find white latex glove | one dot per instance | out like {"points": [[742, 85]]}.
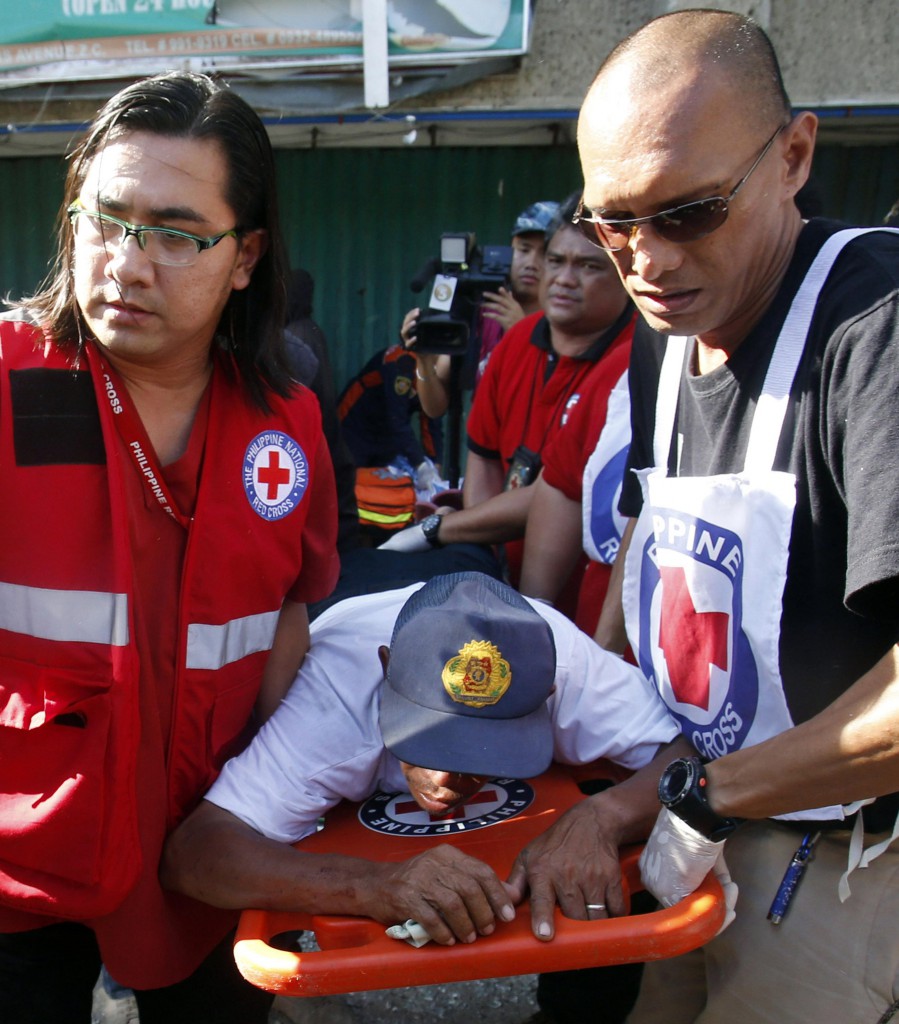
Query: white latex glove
{"points": [[730, 889], [677, 858], [408, 540]]}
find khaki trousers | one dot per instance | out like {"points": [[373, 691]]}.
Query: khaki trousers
{"points": [[826, 963]]}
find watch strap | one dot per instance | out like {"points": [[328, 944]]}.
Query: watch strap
{"points": [[690, 801], [430, 527]]}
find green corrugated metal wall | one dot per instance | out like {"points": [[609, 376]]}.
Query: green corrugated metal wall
{"points": [[859, 184], [363, 221], [30, 195]]}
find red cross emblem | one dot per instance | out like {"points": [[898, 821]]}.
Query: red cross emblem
{"points": [[274, 475], [483, 796], [692, 641]]}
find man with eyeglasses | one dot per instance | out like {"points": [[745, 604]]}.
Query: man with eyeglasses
{"points": [[760, 589], [169, 510]]}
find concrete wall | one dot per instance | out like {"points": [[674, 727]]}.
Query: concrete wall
{"points": [[838, 56], [834, 53]]}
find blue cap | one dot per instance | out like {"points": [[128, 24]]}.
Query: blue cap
{"points": [[537, 217], [471, 667]]}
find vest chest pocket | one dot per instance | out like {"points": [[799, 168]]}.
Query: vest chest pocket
{"points": [[58, 788], [231, 723]]}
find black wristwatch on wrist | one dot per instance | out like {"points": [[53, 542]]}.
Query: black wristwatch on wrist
{"points": [[430, 527], [683, 789]]}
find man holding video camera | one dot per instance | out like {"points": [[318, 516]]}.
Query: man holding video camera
{"points": [[498, 310], [548, 362]]}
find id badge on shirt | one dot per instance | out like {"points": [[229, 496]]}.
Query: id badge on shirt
{"points": [[523, 468]]}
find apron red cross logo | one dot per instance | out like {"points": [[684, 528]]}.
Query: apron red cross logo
{"points": [[691, 641]]}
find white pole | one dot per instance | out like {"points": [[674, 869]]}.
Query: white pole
{"points": [[374, 53]]}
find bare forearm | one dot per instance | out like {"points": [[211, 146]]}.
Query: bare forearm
{"points": [[483, 479], [610, 632], [553, 541], [432, 371], [285, 658], [432, 384], [215, 857], [629, 809], [850, 751], [501, 518], [225, 864]]}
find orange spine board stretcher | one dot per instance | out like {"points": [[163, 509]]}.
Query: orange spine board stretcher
{"points": [[355, 954]]}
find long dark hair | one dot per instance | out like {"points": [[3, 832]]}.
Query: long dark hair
{"points": [[186, 105]]}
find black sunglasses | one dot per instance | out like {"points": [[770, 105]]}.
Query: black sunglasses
{"points": [[685, 223]]}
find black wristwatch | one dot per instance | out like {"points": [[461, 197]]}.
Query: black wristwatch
{"points": [[683, 790], [430, 527]]}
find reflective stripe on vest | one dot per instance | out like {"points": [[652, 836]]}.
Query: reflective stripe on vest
{"points": [[365, 515], [83, 616], [213, 647]]}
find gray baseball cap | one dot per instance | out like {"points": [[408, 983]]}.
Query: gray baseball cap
{"points": [[471, 667], [537, 217]]}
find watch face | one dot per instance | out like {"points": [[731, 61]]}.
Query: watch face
{"points": [[674, 781], [430, 525], [682, 790]]}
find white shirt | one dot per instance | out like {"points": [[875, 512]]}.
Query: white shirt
{"points": [[323, 743]]}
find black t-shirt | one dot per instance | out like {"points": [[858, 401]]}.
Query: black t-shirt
{"points": [[841, 440]]}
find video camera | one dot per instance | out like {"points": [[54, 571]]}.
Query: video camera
{"points": [[461, 276]]}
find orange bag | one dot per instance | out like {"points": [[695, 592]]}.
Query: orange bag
{"points": [[385, 501]]}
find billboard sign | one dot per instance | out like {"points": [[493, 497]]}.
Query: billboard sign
{"points": [[47, 40]]}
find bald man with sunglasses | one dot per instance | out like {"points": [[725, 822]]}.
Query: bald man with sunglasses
{"points": [[762, 571]]}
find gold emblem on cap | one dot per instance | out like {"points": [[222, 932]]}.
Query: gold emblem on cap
{"points": [[478, 675]]}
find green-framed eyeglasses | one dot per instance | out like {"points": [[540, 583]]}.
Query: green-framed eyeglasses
{"points": [[168, 246]]}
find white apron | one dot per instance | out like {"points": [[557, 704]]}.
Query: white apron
{"points": [[602, 522], [706, 568]]}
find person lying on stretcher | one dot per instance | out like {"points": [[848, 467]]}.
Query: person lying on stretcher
{"points": [[477, 682]]}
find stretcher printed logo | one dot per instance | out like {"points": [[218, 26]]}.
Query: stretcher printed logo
{"points": [[692, 643], [399, 815], [275, 474]]}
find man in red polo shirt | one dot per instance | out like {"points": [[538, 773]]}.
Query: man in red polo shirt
{"points": [[545, 365]]}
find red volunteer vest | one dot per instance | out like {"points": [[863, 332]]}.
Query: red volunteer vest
{"points": [[69, 671]]}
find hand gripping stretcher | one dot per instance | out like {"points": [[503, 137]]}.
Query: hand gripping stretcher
{"points": [[356, 955]]}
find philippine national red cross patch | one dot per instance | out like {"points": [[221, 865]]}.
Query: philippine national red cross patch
{"points": [[275, 474]]}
